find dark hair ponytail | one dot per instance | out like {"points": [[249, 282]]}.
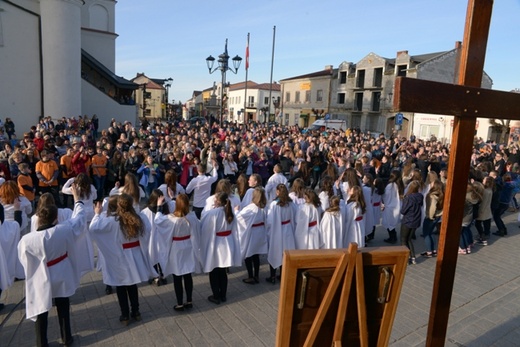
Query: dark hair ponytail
{"points": [[223, 200]]}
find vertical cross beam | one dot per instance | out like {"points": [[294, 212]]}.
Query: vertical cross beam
{"points": [[471, 65]]}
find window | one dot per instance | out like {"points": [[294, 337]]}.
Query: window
{"points": [[251, 101], [358, 104], [307, 96], [319, 95], [401, 70], [342, 77], [341, 98], [266, 100], [360, 82], [376, 101], [356, 121], [297, 96], [378, 77], [372, 121], [287, 97]]}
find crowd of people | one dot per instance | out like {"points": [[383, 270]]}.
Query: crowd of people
{"points": [[179, 198]]}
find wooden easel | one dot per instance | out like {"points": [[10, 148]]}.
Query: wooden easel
{"points": [[313, 311], [466, 101]]}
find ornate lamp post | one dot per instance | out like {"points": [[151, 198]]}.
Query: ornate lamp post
{"points": [[167, 85], [223, 61]]}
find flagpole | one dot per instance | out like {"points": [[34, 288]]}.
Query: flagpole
{"points": [[271, 81], [245, 87]]}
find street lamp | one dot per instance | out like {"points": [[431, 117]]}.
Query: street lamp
{"points": [[167, 84], [223, 66]]}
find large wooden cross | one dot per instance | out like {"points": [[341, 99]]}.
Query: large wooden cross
{"points": [[466, 101]]}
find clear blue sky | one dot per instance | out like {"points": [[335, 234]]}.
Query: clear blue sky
{"points": [[172, 38]]}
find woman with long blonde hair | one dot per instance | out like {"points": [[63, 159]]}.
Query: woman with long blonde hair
{"points": [[132, 188]]}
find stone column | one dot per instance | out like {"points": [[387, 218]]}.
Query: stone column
{"points": [[61, 51]]}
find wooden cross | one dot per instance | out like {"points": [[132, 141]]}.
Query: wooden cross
{"points": [[465, 101]]}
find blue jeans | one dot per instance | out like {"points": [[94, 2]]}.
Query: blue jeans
{"points": [[466, 237], [99, 183], [149, 188], [428, 226]]}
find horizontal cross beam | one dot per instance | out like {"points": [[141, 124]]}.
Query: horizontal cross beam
{"points": [[414, 95]]}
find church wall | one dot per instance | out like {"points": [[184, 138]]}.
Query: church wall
{"points": [[96, 102], [101, 46], [20, 81]]}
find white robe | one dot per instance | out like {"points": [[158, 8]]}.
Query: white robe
{"points": [[9, 238], [281, 222], [122, 264], [331, 229], [298, 201], [63, 215], [119, 191], [392, 212], [354, 225], [84, 247], [307, 232], [325, 200], [272, 183], [60, 280], [5, 280], [25, 207], [210, 203], [369, 214], [248, 197], [218, 251], [152, 244], [376, 208], [171, 200], [252, 231], [179, 235]]}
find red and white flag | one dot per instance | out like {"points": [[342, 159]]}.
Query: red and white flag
{"points": [[247, 53]]}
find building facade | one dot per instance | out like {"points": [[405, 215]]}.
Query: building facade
{"points": [[58, 60]]}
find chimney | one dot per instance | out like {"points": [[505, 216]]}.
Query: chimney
{"points": [[328, 67], [401, 52], [458, 44]]}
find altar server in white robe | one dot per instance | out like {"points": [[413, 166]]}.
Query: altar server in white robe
{"points": [[376, 202], [9, 192], [255, 180], [277, 178], [10, 233], [252, 234], [368, 191], [223, 186], [331, 225], [281, 222], [307, 232], [45, 200], [354, 218], [51, 270], [9, 238], [394, 190], [154, 243], [171, 188], [179, 232], [219, 246], [88, 194], [327, 192], [132, 188], [120, 239]]}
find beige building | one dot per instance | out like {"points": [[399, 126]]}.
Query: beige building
{"points": [[307, 97], [152, 96], [362, 94]]}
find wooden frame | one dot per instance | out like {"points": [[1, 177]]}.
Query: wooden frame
{"points": [[312, 308]]}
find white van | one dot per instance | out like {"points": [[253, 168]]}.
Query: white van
{"points": [[322, 124]]}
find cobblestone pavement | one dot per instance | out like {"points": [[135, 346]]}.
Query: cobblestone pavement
{"points": [[484, 312]]}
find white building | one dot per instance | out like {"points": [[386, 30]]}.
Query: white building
{"points": [[58, 59]]}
